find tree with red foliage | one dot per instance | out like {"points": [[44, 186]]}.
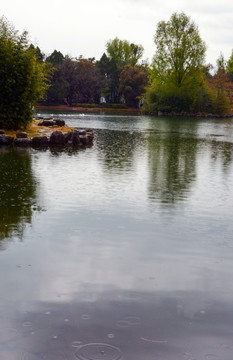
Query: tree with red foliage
{"points": [[132, 84]]}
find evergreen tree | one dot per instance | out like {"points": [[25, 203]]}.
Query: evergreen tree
{"points": [[56, 58], [110, 78], [57, 91]]}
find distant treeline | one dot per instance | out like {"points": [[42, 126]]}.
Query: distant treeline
{"points": [[118, 77], [177, 81]]}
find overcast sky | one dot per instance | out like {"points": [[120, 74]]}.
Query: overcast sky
{"points": [[83, 27]]}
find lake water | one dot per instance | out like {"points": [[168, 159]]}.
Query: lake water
{"points": [[123, 250]]}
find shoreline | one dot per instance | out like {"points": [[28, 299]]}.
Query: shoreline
{"points": [[66, 108], [129, 111], [46, 133]]}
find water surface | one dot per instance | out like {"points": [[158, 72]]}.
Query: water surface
{"points": [[122, 250]]}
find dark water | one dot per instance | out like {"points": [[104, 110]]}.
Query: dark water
{"points": [[123, 250]]}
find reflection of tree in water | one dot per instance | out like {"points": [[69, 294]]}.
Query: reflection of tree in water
{"points": [[118, 148], [17, 192], [222, 150], [172, 160]]}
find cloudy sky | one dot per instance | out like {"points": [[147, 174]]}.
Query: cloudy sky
{"points": [[83, 27]]}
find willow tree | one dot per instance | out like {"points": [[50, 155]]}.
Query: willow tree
{"points": [[177, 68], [23, 79]]}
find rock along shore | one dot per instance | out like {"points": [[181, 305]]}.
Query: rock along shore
{"points": [[74, 138]]}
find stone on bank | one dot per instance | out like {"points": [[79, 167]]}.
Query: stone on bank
{"points": [[72, 138]]}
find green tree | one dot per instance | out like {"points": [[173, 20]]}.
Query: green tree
{"points": [[110, 78], [229, 67], [123, 53], [221, 87], [56, 93], [120, 53], [39, 55], [221, 63], [177, 68], [56, 58], [57, 90], [180, 50], [23, 79]]}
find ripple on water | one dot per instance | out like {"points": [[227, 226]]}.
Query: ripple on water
{"points": [[27, 356], [133, 320], [211, 357], [189, 356], [57, 356], [123, 323], [98, 351], [154, 341], [128, 321], [76, 344], [27, 323], [10, 331], [8, 334], [85, 317]]}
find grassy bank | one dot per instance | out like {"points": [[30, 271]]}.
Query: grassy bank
{"points": [[34, 130]]}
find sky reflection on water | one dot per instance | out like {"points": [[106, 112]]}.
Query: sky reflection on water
{"points": [[128, 244]]}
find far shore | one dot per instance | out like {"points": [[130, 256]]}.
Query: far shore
{"points": [[86, 109], [127, 111]]}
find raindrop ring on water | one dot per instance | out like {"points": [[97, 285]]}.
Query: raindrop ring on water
{"points": [[85, 317], [123, 323], [27, 323], [98, 351], [76, 344], [133, 320]]}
